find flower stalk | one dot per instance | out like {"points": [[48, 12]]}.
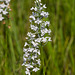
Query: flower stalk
{"points": [[37, 38]]}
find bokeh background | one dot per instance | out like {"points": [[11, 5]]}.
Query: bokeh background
{"points": [[59, 55]]}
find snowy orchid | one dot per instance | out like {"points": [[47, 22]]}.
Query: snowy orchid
{"points": [[4, 8], [36, 38]]}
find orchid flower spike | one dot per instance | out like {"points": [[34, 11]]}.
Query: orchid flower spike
{"points": [[39, 36], [4, 8]]}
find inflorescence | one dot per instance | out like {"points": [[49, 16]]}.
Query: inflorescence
{"points": [[4, 8], [39, 36]]}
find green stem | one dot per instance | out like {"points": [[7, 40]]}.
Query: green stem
{"points": [[42, 62], [31, 73]]}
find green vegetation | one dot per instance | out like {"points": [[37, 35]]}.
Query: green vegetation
{"points": [[58, 55]]}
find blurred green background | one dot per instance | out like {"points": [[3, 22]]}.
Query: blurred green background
{"points": [[58, 55]]}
